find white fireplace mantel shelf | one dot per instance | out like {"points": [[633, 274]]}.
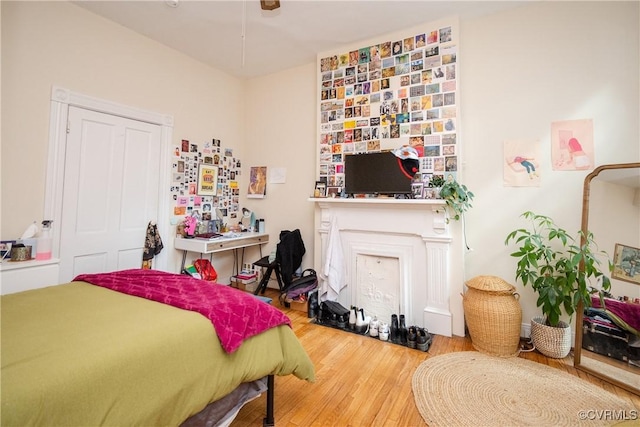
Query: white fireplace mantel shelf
{"points": [[378, 201], [413, 231]]}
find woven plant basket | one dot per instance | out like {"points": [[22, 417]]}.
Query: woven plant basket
{"points": [[493, 315], [554, 342]]}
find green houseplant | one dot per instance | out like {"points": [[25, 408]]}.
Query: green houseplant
{"points": [[457, 198], [559, 269]]}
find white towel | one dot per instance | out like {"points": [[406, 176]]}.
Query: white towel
{"points": [[333, 272]]}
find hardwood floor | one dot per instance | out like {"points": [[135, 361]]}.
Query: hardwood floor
{"points": [[361, 381]]}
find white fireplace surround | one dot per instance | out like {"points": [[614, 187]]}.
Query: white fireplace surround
{"points": [[427, 249]]}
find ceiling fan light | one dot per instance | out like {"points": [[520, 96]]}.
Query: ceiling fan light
{"points": [[269, 4]]}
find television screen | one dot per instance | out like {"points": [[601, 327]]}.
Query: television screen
{"points": [[376, 173]]}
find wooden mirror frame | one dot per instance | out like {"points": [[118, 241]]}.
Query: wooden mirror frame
{"points": [[577, 350]]}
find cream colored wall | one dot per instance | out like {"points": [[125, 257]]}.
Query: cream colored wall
{"points": [[58, 43], [281, 133], [519, 71], [522, 70]]}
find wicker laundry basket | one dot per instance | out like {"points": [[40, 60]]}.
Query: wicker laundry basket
{"points": [[493, 315]]}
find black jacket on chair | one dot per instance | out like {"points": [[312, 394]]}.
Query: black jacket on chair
{"points": [[289, 254]]}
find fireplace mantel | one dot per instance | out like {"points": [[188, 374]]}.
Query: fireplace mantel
{"points": [[413, 231]]}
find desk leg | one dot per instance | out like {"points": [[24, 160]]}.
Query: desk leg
{"points": [[184, 259]]}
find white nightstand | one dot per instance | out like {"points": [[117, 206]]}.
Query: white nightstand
{"points": [[24, 275]]}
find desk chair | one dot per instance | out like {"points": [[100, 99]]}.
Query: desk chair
{"points": [[289, 252], [271, 267]]}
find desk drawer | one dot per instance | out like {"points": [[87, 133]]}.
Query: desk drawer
{"points": [[233, 244]]}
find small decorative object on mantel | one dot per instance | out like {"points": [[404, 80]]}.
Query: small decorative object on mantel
{"points": [[320, 190]]}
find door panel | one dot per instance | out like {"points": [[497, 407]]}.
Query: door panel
{"points": [[110, 192]]}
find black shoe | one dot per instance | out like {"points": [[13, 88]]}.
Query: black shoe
{"points": [[412, 337], [403, 331], [394, 331], [312, 305], [342, 321], [424, 339], [334, 319]]}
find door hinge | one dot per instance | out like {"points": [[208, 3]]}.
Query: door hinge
{"points": [[68, 127]]}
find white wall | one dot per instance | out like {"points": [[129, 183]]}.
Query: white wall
{"points": [[519, 71], [522, 70], [281, 133], [58, 43]]}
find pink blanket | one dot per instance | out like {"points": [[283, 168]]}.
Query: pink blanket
{"points": [[235, 315], [625, 315]]}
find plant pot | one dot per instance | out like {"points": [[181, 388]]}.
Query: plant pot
{"points": [[554, 342]]}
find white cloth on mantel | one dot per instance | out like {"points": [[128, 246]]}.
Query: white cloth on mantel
{"points": [[333, 271]]}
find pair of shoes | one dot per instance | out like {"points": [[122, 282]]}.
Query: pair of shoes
{"points": [[423, 340], [373, 327], [412, 336], [398, 334], [383, 332]]}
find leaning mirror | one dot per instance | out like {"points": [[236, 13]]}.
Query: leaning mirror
{"points": [[607, 339]]}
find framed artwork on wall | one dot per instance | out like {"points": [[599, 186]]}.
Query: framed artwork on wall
{"points": [[207, 183], [626, 264], [257, 182]]}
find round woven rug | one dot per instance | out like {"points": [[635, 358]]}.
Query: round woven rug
{"points": [[474, 389]]}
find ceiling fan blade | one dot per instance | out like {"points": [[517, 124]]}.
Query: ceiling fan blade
{"points": [[269, 4]]}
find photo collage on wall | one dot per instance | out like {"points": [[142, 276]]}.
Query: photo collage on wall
{"points": [[195, 169], [389, 95]]}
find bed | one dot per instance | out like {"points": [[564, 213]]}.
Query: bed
{"points": [[93, 354]]}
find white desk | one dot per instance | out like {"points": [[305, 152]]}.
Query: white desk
{"points": [[219, 244]]}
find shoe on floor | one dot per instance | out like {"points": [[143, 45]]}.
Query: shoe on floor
{"points": [[412, 337], [423, 340]]}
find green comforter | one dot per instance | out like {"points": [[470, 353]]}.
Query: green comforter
{"points": [[78, 354]]}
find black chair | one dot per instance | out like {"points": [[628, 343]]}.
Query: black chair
{"points": [[289, 252]]}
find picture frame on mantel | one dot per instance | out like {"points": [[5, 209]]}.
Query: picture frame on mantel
{"points": [[320, 190]]}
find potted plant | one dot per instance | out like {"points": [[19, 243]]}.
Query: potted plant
{"points": [[561, 271], [457, 198], [436, 181]]}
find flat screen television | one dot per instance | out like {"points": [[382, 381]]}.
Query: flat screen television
{"points": [[377, 173]]}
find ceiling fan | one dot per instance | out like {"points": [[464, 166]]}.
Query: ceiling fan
{"points": [[269, 4]]}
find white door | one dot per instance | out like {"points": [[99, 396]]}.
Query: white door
{"points": [[110, 192]]}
